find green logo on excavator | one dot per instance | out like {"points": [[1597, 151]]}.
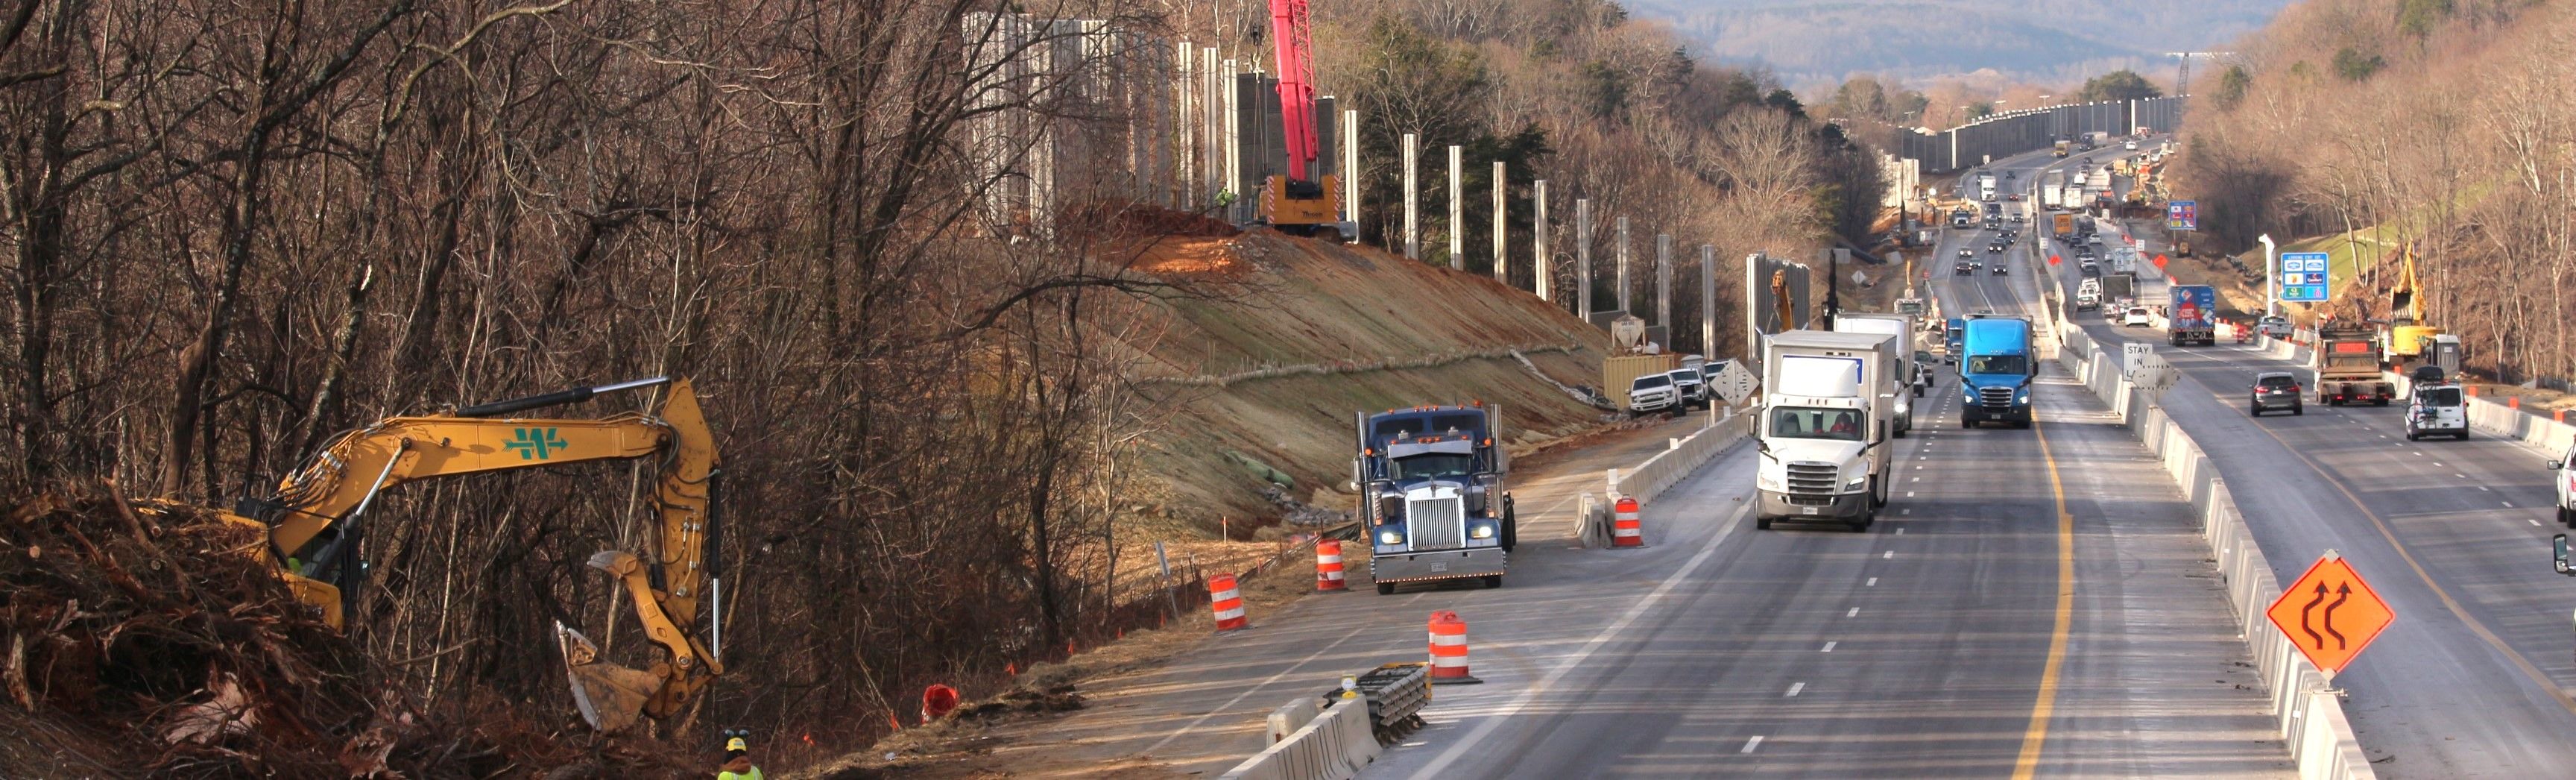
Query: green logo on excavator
{"points": [[535, 443]]}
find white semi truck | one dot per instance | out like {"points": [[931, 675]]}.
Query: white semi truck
{"points": [[1986, 187], [1827, 412], [1908, 376]]}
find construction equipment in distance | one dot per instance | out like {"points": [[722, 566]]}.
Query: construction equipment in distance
{"points": [[2411, 338], [315, 523], [1298, 202]]}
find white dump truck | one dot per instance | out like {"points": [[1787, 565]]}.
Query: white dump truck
{"points": [[1827, 413], [1908, 376]]}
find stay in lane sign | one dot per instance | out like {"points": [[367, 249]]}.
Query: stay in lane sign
{"points": [[2330, 613]]}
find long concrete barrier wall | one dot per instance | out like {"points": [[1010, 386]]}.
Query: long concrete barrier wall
{"points": [[2311, 720], [1333, 746], [1666, 469]]}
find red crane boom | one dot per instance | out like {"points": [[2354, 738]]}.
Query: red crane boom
{"points": [[1299, 202]]}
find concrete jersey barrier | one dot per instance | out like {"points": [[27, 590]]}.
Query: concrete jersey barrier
{"points": [[1333, 746], [2312, 722]]}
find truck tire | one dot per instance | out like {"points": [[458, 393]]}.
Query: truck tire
{"points": [[1762, 523], [1966, 422], [2567, 517], [1386, 589], [2299, 411], [1493, 580], [2021, 425], [2464, 434], [2411, 436], [1511, 525], [1900, 432]]}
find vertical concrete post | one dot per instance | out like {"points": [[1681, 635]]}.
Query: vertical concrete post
{"points": [[1664, 285], [1583, 258], [1501, 273], [1209, 123], [1621, 253], [1708, 300], [1753, 307], [1412, 203], [1351, 172], [1232, 149], [1185, 108], [1457, 212], [1541, 268]]}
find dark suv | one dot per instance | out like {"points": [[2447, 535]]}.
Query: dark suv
{"points": [[2275, 390]]}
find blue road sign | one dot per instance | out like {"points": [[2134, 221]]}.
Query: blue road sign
{"points": [[2182, 215], [2304, 277]]}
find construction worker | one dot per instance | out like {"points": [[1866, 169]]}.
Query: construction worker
{"points": [[737, 764]]}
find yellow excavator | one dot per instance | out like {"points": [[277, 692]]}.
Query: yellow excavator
{"points": [[2411, 338], [315, 522]]}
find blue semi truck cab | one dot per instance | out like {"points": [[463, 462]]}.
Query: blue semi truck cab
{"points": [[1995, 369], [1953, 331], [1432, 498]]}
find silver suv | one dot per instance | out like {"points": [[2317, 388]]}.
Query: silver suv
{"points": [[2276, 390]]}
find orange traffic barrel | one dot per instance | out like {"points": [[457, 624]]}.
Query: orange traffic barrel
{"points": [[1328, 565], [1625, 529], [1227, 602], [1449, 649]]}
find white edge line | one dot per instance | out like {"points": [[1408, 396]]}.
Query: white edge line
{"points": [[1490, 723]]}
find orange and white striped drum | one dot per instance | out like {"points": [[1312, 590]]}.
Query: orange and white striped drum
{"points": [[1227, 602], [1449, 649], [1328, 566], [1625, 529]]}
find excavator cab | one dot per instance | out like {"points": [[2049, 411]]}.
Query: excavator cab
{"points": [[315, 523]]}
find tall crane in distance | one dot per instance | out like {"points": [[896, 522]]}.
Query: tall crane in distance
{"points": [[1301, 200], [2182, 80]]}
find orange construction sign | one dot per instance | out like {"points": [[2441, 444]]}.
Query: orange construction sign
{"points": [[2330, 613]]}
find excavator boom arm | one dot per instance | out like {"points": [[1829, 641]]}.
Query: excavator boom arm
{"points": [[326, 498]]}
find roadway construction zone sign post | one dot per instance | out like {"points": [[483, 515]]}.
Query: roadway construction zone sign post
{"points": [[2330, 614]]}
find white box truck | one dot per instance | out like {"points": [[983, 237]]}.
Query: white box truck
{"points": [[1986, 187], [1826, 406], [1908, 376]]}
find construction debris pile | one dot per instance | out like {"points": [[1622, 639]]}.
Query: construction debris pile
{"points": [[144, 642]]}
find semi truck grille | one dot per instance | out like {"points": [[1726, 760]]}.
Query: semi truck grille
{"points": [[1812, 483], [1995, 397], [1437, 524]]}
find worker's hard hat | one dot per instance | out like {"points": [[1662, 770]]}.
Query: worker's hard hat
{"points": [[736, 744]]}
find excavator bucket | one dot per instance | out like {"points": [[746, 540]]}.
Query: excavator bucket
{"points": [[610, 696]]}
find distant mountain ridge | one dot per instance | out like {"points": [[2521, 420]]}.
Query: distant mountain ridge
{"points": [[2034, 40]]}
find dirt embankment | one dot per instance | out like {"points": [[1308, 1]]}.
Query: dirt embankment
{"points": [[1257, 389]]}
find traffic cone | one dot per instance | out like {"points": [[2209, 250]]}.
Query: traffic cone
{"points": [[1228, 604], [1449, 649], [1625, 529], [1328, 566]]}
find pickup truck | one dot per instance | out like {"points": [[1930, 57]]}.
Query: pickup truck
{"points": [[1653, 393]]}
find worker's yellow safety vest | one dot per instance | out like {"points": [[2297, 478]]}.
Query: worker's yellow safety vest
{"points": [[754, 774]]}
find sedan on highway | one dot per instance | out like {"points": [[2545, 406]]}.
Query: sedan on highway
{"points": [[2137, 317], [2000, 268], [1964, 266], [2275, 390], [1995, 247]]}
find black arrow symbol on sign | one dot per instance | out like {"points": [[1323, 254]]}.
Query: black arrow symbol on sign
{"points": [[2319, 641], [2344, 593]]}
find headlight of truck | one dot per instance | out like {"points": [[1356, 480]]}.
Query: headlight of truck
{"points": [[1483, 530], [1767, 480], [2024, 395], [1857, 481], [1391, 536]]}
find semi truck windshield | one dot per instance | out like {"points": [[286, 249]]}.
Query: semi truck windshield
{"points": [[1808, 422], [1432, 464], [1999, 364]]}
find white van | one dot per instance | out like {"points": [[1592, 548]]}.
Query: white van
{"points": [[2436, 410]]}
